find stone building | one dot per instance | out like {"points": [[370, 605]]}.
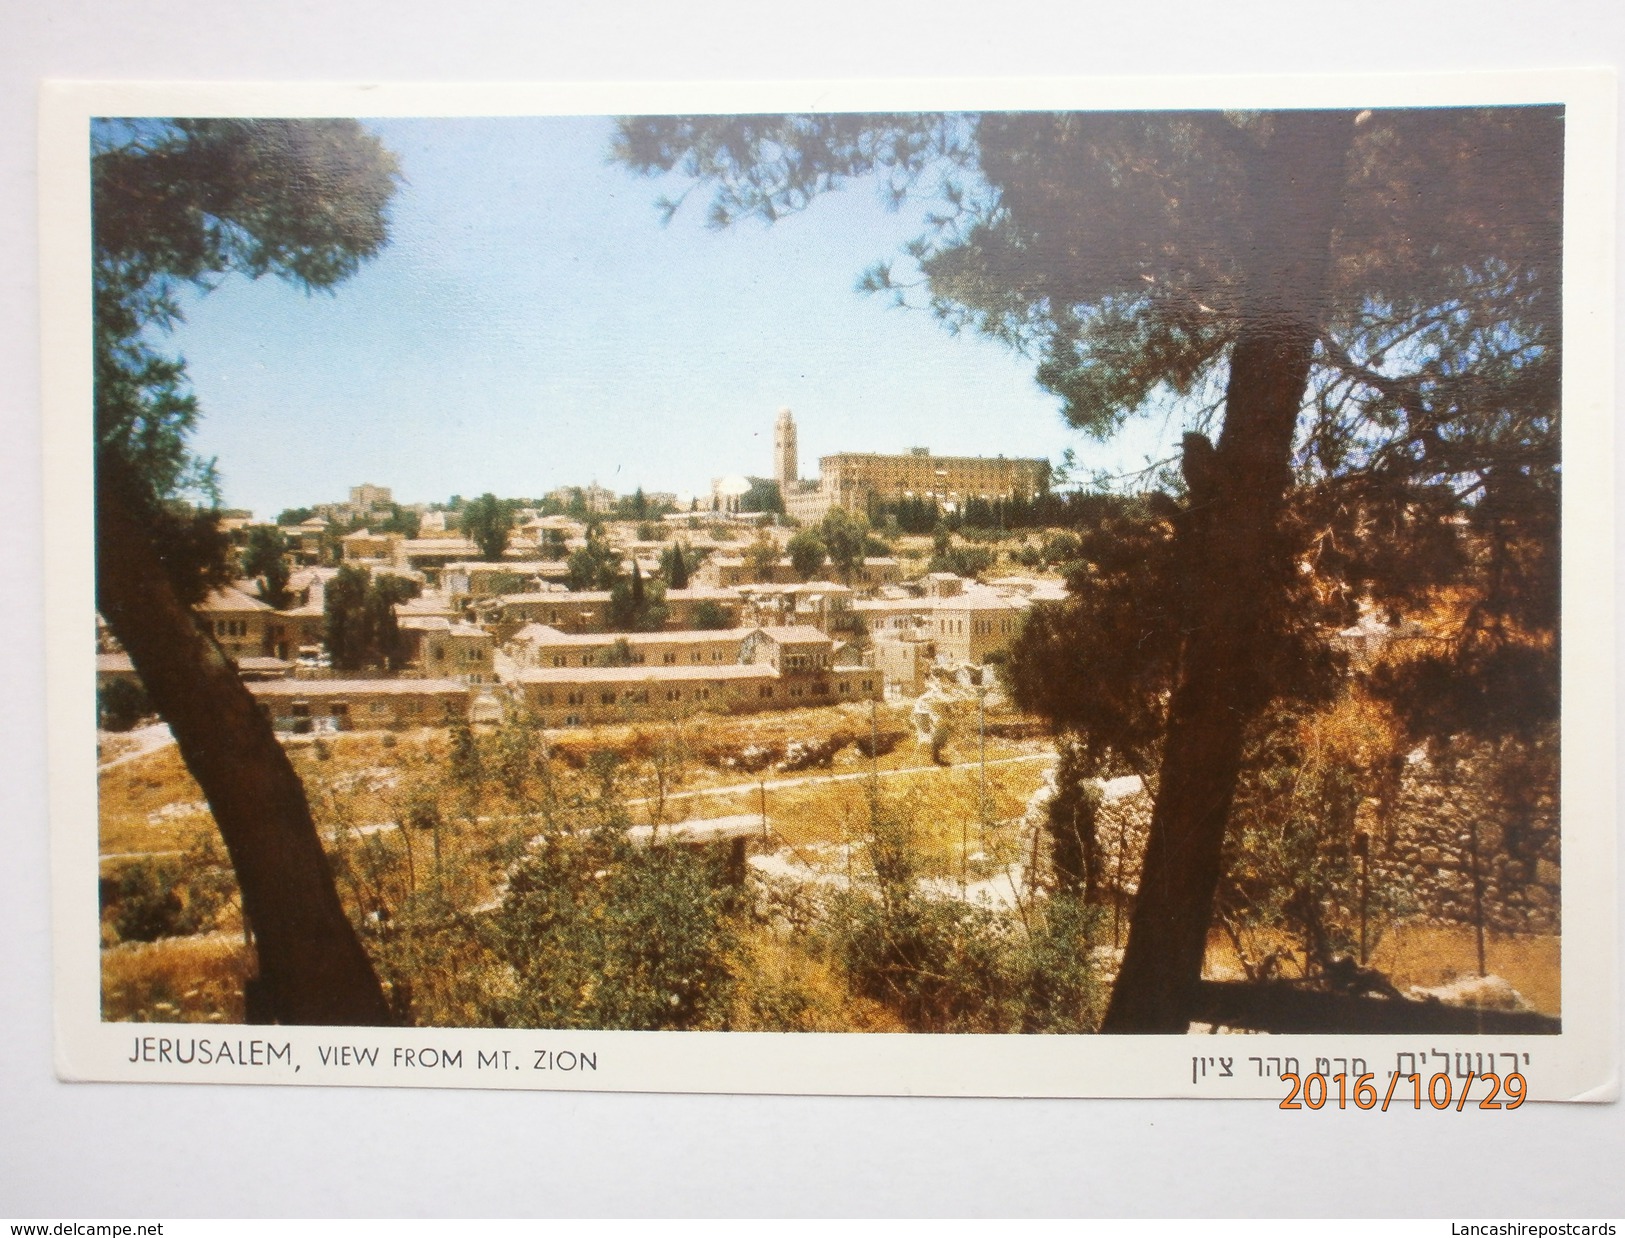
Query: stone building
{"points": [[302, 706], [479, 579], [445, 649], [243, 626], [949, 626], [367, 499], [821, 604], [587, 610], [364, 546], [736, 571], [789, 669], [854, 480], [537, 646]]}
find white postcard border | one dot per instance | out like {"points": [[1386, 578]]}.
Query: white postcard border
{"points": [[1579, 1064]]}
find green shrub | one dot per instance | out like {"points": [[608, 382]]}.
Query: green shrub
{"points": [[969, 561], [150, 899], [120, 704], [942, 964], [602, 933]]}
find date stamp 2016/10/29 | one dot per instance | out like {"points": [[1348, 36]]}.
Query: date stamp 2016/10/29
{"points": [[1318, 1091]]}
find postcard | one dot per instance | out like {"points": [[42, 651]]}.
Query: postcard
{"points": [[943, 588]]}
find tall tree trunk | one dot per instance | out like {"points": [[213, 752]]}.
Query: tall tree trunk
{"points": [[1238, 566], [312, 968]]}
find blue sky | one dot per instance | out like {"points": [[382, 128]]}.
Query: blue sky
{"points": [[533, 324]]}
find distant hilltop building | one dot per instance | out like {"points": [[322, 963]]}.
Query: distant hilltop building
{"points": [[595, 499], [366, 499]]}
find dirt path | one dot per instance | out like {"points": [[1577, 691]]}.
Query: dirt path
{"points": [[146, 739], [782, 784], [738, 788]]}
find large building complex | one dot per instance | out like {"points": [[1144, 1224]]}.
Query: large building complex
{"points": [[854, 479], [857, 480]]}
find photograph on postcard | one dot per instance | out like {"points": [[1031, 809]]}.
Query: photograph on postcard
{"points": [[1038, 573]]}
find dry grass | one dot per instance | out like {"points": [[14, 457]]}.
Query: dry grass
{"points": [[175, 980], [1430, 955], [781, 988], [943, 806], [150, 804], [110, 744]]}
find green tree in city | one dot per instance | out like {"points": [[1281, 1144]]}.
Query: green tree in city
{"points": [[636, 605], [178, 205], [403, 520], [674, 566], [762, 558], [806, 550], [266, 557], [845, 536], [710, 617], [596, 565], [488, 521], [360, 629]]}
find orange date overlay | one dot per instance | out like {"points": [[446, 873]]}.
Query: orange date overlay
{"points": [[1318, 1091]]}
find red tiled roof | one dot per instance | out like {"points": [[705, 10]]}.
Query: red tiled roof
{"points": [[230, 598]]}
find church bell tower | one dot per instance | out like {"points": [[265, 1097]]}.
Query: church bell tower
{"points": [[784, 449]]}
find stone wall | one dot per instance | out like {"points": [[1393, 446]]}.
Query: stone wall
{"points": [[1423, 846]]}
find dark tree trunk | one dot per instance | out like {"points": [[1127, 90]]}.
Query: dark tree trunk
{"points": [[312, 968], [1238, 567]]}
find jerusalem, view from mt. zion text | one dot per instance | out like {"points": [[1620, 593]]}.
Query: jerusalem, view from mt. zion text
{"points": [[1130, 625]]}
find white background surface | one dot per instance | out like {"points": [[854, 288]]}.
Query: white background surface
{"points": [[150, 1151]]}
